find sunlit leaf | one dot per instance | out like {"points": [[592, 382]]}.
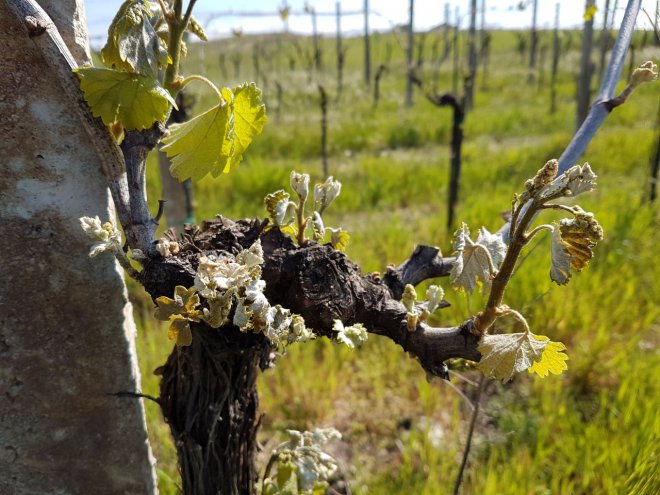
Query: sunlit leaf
{"points": [[215, 141], [590, 12], [133, 44], [195, 146], [339, 239], [504, 355], [133, 100], [287, 479], [553, 360], [249, 114]]}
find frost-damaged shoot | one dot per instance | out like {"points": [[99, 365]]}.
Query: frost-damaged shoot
{"points": [[489, 262], [291, 217]]}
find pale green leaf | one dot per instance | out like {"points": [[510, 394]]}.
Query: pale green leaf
{"points": [[133, 44], [215, 141], [133, 100], [339, 239], [195, 146], [287, 479], [473, 259], [249, 118], [503, 355], [553, 360]]}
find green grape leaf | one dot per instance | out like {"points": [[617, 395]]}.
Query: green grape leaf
{"points": [[133, 45], [249, 118], [195, 146], [133, 100], [287, 479], [503, 355], [560, 259], [553, 360], [472, 258], [214, 142]]}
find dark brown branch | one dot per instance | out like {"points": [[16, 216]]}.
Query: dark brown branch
{"points": [[425, 262], [322, 285]]}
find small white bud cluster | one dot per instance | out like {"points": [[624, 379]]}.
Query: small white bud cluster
{"points": [[167, 248]]}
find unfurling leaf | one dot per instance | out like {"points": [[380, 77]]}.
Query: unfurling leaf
{"points": [[133, 100], [219, 308], [282, 211], [300, 184], [503, 355], [474, 259], [572, 242], [318, 227], [339, 238], [543, 177], [215, 141], [352, 336], [553, 360], [646, 72], [179, 311], [133, 44], [326, 193], [434, 297], [576, 180], [108, 237]]}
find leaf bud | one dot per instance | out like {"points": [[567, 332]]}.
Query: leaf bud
{"points": [[325, 193], [646, 72], [300, 184], [543, 177]]}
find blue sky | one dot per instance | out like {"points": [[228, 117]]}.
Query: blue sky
{"points": [[499, 14]]}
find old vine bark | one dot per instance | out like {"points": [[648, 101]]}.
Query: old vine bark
{"points": [[208, 393]]}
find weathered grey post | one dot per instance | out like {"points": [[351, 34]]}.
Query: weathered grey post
{"points": [[67, 335]]}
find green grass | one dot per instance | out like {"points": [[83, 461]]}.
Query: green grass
{"points": [[593, 429]]}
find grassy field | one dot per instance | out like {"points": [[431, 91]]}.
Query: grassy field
{"points": [[595, 429]]}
